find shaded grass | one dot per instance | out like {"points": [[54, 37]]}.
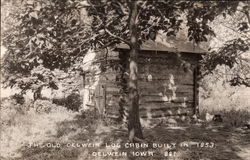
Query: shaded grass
{"points": [[229, 143], [231, 118], [69, 129]]}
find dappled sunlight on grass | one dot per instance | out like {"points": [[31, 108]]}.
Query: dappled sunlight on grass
{"points": [[65, 135], [28, 127], [224, 148], [227, 143], [244, 152]]}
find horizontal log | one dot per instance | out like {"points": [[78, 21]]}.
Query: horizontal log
{"points": [[160, 120], [182, 100], [116, 94], [152, 106], [159, 99], [154, 86], [158, 114], [112, 89], [166, 110], [172, 107], [155, 117], [180, 81], [158, 96], [163, 70], [165, 95], [161, 85], [167, 76], [110, 83]]}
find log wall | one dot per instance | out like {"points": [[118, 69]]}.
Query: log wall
{"points": [[166, 84]]}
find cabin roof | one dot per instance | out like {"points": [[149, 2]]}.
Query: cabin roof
{"points": [[170, 44]]}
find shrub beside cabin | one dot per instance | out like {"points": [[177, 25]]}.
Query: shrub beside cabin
{"points": [[167, 81]]}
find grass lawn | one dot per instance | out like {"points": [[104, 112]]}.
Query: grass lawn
{"points": [[64, 139]]}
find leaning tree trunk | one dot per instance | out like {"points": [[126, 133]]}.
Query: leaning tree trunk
{"points": [[134, 125]]}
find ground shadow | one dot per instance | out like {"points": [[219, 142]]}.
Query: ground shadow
{"points": [[228, 143]]}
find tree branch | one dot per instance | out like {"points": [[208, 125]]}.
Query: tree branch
{"points": [[235, 30], [122, 8], [246, 13], [116, 37], [140, 11], [248, 17], [88, 3]]}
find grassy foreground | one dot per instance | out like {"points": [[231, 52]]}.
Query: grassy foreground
{"points": [[59, 134]]}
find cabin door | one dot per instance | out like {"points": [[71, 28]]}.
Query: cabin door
{"points": [[94, 96], [100, 98]]}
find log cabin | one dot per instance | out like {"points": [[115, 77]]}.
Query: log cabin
{"points": [[168, 81]]}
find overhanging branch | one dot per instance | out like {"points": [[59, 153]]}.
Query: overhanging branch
{"points": [[246, 13], [116, 37], [248, 17], [140, 11]]}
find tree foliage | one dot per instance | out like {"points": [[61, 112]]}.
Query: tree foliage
{"points": [[230, 47], [52, 34], [45, 35], [111, 19]]}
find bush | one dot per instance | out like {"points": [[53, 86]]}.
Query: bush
{"points": [[73, 102], [219, 97], [10, 110], [59, 101], [92, 118], [43, 106], [18, 98], [231, 118], [236, 118]]}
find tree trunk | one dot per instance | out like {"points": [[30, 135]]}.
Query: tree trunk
{"points": [[134, 125], [38, 93]]}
